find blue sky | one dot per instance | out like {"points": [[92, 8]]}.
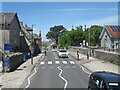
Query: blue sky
{"points": [[47, 14]]}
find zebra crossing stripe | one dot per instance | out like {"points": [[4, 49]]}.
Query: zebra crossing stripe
{"points": [[49, 62], [72, 62], [64, 62], [42, 63], [57, 62]]}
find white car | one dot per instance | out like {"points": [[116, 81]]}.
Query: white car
{"points": [[62, 53], [54, 50]]}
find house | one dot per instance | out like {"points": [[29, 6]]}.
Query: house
{"points": [[110, 37], [28, 40], [10, 30], [25, 40], [37, 44]]}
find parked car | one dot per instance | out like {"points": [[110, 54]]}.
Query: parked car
{"points": [[62, 53], [104, 81]]}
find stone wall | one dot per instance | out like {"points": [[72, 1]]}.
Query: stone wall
{"points": [[81, 50], [15, 60], [108, 56], [99, 54]]}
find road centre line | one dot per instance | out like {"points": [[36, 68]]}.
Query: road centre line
{"points": [[66, 83], [29, 78]]}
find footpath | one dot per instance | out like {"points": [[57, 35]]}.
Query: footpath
{"points": [[93, 64], [16, 78]]}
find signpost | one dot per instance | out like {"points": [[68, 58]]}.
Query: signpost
{"points": [[8, 46], [6, 64]]}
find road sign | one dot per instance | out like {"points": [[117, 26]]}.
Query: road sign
{"points": [[8, 46]]}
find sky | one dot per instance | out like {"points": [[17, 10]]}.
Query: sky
{"points": [[48, 14]]}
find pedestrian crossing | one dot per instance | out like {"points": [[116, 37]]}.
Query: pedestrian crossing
{"points": [[57, 62]]}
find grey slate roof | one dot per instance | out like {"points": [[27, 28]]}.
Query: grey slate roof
{"points": [[8, 17]]}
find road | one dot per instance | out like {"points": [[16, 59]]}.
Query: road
{"points": [[54, 72]]}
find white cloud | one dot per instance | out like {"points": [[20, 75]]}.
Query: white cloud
{"points": [[102, 21], [111, 20], [86, 9]]}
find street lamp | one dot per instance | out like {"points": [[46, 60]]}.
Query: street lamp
{"points": [[32, 46]]}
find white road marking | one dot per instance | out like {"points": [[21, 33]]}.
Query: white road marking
{"points": [[84, 70], [74, 67], [66, 83], [43, 67], [57, 62], [67, 67], [64, 62], [30, 77], [55, 55], [72, 62], [49, 62], [51, 67], [42, 63]]}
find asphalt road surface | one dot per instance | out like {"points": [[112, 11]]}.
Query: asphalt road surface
{"points": [[54, 72]]}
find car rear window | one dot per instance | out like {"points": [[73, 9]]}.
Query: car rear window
{"points": [[63, 51]]}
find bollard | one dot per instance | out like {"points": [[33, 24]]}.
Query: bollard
{"points": [[87, 56], [78, 56]]}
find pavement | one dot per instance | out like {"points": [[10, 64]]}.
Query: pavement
{"points": [[93, 64], [16, 78]]}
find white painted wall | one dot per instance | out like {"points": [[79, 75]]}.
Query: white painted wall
{"points": [[108, 41]]}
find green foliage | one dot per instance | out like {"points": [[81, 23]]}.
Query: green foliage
{"points": [[73, 37], [95, 32], [55, 32]]}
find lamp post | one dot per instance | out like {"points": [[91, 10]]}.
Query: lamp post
{"points": [[86, 36], [32, 46]]}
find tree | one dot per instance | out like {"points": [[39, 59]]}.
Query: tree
{"points": [[73, 37], [94, 32], [55, 32]]}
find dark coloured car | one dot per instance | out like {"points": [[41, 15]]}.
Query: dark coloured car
{"points": [[104, 81]]}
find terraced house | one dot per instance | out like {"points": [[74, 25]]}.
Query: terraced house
{"points": [[10, 30]]}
